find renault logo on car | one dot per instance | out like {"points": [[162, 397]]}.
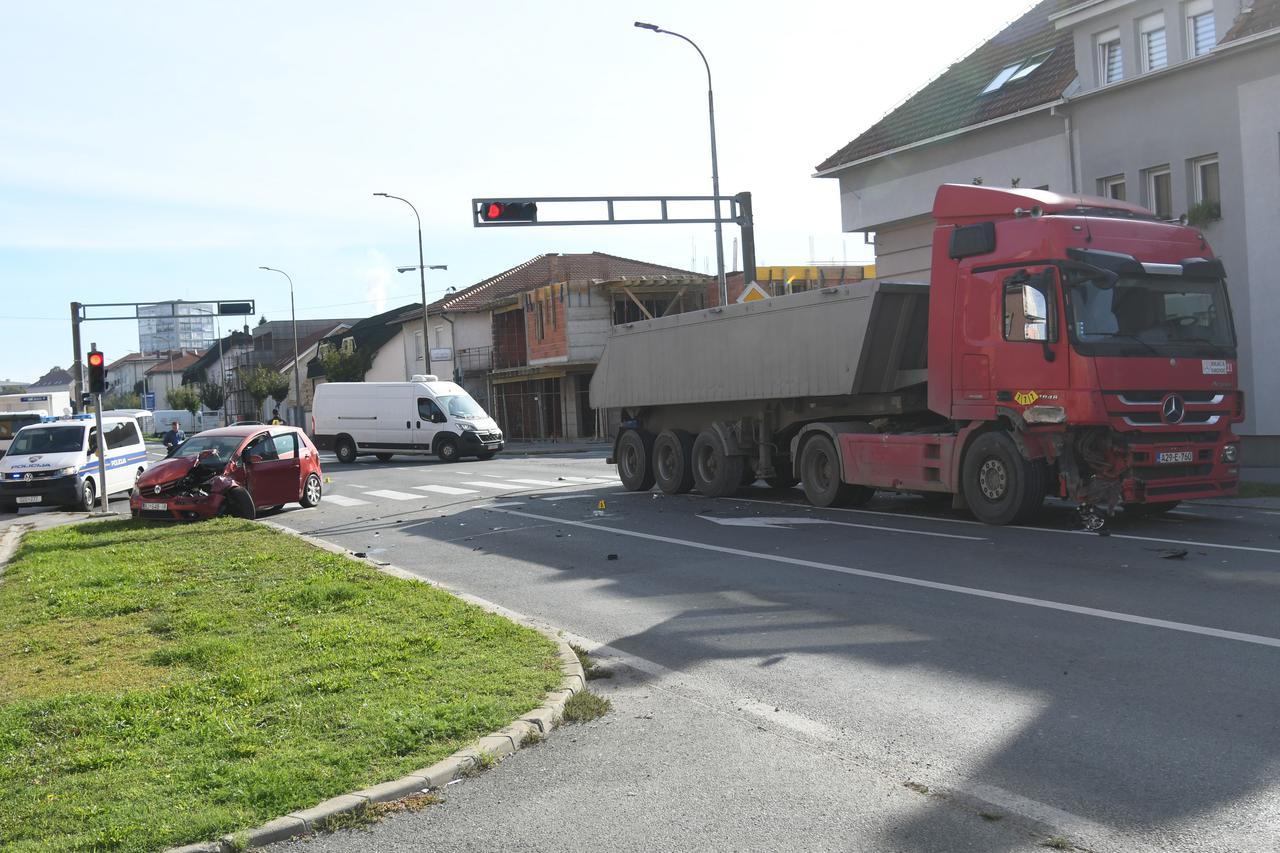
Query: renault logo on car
{"points": [[1173, 409]]}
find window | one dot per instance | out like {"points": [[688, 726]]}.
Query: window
{"points": [[439, 336], [1110, 58], [1112, 187], [429, 411], [123, 435], [348, 344], [1200, 29], [1029, 309], [286, 445], [1204, 180], [1155, 53], [1017, 71], [542, 323], [417, 346], [1160, 191], [263, 447]]}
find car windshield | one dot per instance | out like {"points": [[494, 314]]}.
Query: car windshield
{"points": [[1150, 315], [461, 406], [223, 445], [48, 439]]}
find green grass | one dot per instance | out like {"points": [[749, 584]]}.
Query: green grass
{"points": [[167, 684], [585, 706], [1260, 490]]}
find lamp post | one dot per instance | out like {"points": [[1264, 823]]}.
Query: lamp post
{"points": [[297, 381], [715, 167], [422, 277]]}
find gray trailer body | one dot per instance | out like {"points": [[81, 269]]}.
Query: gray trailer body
{"points": [[866, 340]]}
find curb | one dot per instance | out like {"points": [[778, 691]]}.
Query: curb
{"points": [[498, 745], [10, 541]]}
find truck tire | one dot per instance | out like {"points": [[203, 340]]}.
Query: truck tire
{"points": [[999, 485], [716, 474], [447, 449], [821, 475], [673, 461], [784, 475], [635, 460], [345, 450]]}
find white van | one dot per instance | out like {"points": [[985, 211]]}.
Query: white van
{"points": [[421, 416], [56, 463]]}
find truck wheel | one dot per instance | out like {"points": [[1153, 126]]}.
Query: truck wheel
{"points": [[635, 460], [821, 475], [673, 461], [345, 450], [784, 475], [716, 474], [447, 449], [1000, 486]]}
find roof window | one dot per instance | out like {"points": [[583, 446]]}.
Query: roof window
{"points": [[1015, 72]]}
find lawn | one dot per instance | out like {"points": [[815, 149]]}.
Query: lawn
{"points": [[167, 684]]}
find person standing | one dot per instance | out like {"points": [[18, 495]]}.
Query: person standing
{"points": [[174, 437], [275, 418]]}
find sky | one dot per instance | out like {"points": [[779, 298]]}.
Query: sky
{"points": [[159, 150]]}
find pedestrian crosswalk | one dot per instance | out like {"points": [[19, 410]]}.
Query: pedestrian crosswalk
{"points": [[491, 485], [391, 494], [343, 500], [446, 490]]}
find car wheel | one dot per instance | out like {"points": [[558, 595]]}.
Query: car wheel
{"points": [[311, 491], [1000, 486], [486, 455], [345, 450], [383, 457], [238, 503], [87, 495], [134, 488], [635, 460], [821, 473], [716, 474], [447, 449], [673, 461]]}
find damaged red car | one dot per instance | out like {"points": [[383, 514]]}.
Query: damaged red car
{"points": [[234, 471]]}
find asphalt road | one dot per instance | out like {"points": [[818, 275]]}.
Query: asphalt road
{"points": [[783, 673]]}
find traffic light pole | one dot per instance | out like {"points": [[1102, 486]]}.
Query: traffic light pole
{"points": [[102, 450], [77, 372]]}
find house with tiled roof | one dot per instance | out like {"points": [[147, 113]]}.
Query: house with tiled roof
{"points": [[524, 342], [1172, 104]]}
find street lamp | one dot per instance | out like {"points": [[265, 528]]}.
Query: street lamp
{"points": [[297, 381], [422, 275], [715, 167]]}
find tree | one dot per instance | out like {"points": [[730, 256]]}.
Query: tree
{"points": [[345, 365], [213, 396], [184, 397], [263, 382], [121, 401]]}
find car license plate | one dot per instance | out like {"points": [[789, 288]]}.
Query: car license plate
{"points": [[154, 504], [1174, 456], [28, 499]]}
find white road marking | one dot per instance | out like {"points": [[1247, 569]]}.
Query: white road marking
{"points": [[500, 486], [784, 522], [1238, 636], [447, 490], [926, 518], [394, 495], [543, 483], [589, 479], [343, 500]]}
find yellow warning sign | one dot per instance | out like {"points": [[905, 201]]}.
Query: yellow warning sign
{"points": [[753, 293]]}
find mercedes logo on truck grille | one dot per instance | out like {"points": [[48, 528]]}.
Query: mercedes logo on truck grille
{"points": [[1173, 409]]}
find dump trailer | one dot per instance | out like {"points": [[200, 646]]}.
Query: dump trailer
{"points": [[1071, 346]]}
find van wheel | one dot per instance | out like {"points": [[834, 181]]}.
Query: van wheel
{"points": [[673, 461], [635, 460], [311, 491], [820, 471], [1000, 486], [447, 449], [345, 450], [382, 457], [716, 474], [238, 503], [87, 495]]}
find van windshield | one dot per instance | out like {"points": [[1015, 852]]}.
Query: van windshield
{"points": [[56, 439], [461, 406]]}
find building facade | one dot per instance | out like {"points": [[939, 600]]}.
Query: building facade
{"points": [[1172, 105]]}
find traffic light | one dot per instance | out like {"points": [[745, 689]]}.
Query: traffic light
{"points": [[509, 211], [97, 372]]}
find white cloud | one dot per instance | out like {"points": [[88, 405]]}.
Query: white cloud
{"points": [[377, 280]]}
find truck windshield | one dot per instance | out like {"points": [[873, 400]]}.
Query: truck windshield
{"points": [[54, 439], [1150, 315], [10, 423], [461, 406]]}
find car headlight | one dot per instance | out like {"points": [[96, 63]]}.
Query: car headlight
{"points": [[469, 427], [68, 471], [1231, 453]]}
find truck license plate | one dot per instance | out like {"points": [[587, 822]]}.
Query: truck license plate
{"points": [[154, 505], [28, 499], [1174, 456]]}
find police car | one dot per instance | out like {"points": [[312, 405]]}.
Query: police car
{"points": [[56, 463]]}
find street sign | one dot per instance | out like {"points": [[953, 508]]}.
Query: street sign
{"points": [[235, 308], [149, 401]]}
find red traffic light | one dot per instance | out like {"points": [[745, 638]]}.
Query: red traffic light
{"points": [[509, 211], [95, 359]]}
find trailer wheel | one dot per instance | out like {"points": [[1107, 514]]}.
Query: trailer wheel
{"points": [[1000, 486], [635, 460], [673, 461], [821, 476], [716, 474]]}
